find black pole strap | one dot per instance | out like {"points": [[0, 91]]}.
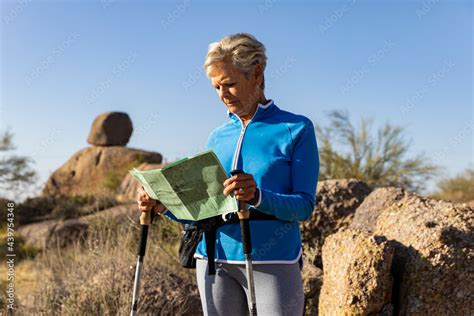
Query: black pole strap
{"points": [[210, 235]]}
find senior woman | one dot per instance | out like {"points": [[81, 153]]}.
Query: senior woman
{"points": [[278, 152]]}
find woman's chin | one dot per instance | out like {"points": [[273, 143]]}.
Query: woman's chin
{"points": [[234, 108]]}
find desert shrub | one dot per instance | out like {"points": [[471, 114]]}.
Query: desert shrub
{"points": [[379, 159], [459, 188]]}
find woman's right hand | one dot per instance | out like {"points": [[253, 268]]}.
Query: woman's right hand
{"points": [[146, 203]]}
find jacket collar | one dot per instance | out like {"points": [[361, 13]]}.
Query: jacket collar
{"points": [[262, 111]]}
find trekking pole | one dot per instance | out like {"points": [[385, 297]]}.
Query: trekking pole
{"points": [[146, 219], [244, 215]]}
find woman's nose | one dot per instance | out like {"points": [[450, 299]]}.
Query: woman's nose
{"points": [[224, 92]]}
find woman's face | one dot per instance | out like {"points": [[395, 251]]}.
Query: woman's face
{"points": [[239, 93]]}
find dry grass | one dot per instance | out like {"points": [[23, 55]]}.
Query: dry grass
{"points": [[95, 276]]}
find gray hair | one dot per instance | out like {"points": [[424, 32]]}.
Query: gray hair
{"points": [[242, 49]]}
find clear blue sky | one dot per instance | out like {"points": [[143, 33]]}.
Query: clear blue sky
{"points": [[65, 62]]}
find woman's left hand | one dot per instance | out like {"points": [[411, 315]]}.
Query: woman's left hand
{"points": [[242, 185]]}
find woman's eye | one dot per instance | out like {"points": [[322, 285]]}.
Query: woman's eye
{"points": [[228, 85]]}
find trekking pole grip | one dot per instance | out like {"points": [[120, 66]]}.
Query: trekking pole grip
{"points": [[245, 231], [146, 217]]}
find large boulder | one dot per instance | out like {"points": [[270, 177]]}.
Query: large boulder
{"points": [[433, 264], [365, 218], [336, 202], [96, 170], [357, 278], [128, 188], [111, 129]]}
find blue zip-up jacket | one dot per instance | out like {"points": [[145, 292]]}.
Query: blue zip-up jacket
{"points": [[279, 149]]}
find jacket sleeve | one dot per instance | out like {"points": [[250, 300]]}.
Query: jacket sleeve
{"points": [[298, 205], [170, 216]]}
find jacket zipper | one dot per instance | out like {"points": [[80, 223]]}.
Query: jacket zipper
{"points": [[241, 137]]}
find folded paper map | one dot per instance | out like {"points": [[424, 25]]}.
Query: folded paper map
{"points": [[190, 188]]}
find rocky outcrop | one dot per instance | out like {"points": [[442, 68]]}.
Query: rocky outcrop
{"points": [[434, 257], [42, 208], [469, 203], [336, 202], [357, 278], [53, 233], [96, 170], [312, 282], [111, 129], [100, 169], [128, 188]]}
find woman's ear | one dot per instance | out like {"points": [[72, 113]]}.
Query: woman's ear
{"points": [[258, 74]]}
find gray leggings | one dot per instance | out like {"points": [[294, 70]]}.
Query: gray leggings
{"points": [[278, 289]]}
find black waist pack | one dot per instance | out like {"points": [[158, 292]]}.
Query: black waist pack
{"points": [[191, 236]]}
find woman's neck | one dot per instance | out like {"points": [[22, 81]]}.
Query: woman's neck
{"points": [[246, 119]]}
